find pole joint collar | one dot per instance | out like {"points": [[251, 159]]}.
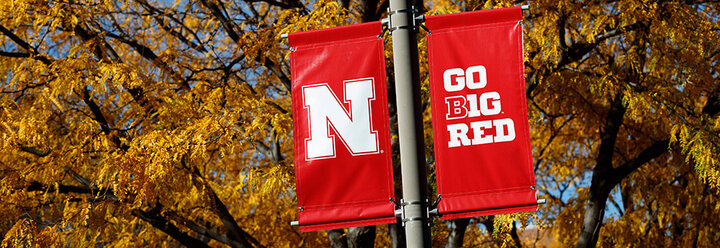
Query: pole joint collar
{"points": [[415, 20]]}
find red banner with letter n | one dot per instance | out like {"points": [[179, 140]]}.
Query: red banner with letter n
{"points": [[343, 168], [480, 125]]}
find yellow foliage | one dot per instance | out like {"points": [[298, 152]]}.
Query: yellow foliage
{"points": [[162, 123]]}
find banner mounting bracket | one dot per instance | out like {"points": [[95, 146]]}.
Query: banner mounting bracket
{"points": [[418, 20]]}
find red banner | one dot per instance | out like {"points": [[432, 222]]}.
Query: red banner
{"points": [[343, 168], [483, 157]]}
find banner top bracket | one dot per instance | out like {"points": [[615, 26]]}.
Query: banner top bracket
{"points": [[417, 21]]}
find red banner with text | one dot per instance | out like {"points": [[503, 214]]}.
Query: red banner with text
{"points": [[483, 157], [343, 168]]}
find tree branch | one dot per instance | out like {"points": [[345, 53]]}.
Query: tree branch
{"points": [[95, 109], [199, 229], [61, 188], [166, 26], [34, 151], [650, 153], [275, 69], [368, 10], [155, 218], [712, 107], [100, 118], [104, 52], [273, 153], [228, 25], [107, 52], [148, 54], [578, 50], [14, 54], [283, 4], [239, 237], [24, 45]]}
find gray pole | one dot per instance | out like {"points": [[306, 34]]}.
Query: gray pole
{"points": [[410, 125]]}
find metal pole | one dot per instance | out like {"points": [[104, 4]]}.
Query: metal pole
{"points": [[410, 125]]}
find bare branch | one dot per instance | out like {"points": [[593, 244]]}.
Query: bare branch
{"points": [[166, 26], [275, 69], [238, 236], [155, 218], [653, 151], [95, 109], [61, 188], [14, 54], [578, 50], [198, 228], [34, 151], [24, 45], [148, 54], [107, 52], [228, 25], [283, 4]]}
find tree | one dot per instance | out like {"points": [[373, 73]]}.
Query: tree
{"points": [[153, 123], [625, 96], [146, 123]]}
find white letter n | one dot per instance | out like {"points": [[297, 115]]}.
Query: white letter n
{"points": [[354, 127]]}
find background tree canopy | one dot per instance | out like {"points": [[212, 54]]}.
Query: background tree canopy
{"points": [[168, 123]]}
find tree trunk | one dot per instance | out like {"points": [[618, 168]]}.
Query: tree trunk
{"points": [[515, 236], [344, 3], [337, 238], [361, 237], [594, 214], [489, 223], [603, 178], [457, 232], [397, 234]]}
